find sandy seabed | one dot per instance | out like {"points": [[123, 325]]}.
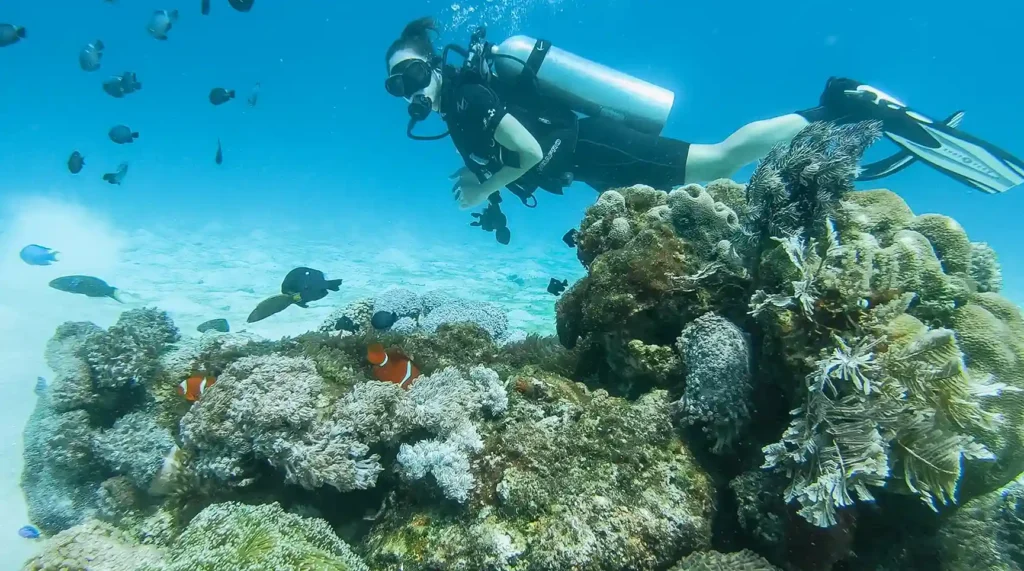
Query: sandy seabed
{"points": [[209, 273]]}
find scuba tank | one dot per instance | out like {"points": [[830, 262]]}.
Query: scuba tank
{"points": [[585, 86]]}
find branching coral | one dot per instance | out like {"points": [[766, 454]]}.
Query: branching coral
{"points": [[267, 407], [447, 404], [128, 352], [135, 447], [552, 494]]}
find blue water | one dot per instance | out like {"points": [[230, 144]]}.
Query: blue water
{"points": [[326, 145], [322, 163]]}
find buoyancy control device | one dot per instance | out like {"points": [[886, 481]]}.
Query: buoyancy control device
{"points": [[584, 86]]}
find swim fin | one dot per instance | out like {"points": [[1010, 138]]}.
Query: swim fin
{"points": [[966, 158], [902, 159]]}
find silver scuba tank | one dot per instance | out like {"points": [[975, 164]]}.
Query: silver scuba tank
{"points": [[587, 87]]}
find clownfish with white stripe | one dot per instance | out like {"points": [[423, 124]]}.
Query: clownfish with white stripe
{"points": [[392, 366], [193, 387]]}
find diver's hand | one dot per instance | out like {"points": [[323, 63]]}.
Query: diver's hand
{"points": [[468, 191]]}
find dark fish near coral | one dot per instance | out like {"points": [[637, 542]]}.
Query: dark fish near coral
{"points": [[11, 34], [214, 325], [254, 95], [306, 284], [345, 323], [117, 177], [29, 532], [392, 366], [161, 22], [270, 306], [87, 286], [75, 162], [219, 157], [36, 255], [383, 320], [556, 287], [193, 387], [120, 85], [41, 385], [90, 56], [206, 7], [570, 238], [219, 95], [241, 5], [122, 134], [514, 278]]}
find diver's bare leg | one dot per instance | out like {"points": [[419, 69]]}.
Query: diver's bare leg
{"points": [[748, 144]]}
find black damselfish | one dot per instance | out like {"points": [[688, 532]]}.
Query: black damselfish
{"points": [[556, 287], [306, 284]]}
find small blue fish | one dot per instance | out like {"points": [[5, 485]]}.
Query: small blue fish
{"points": [[36, 255], [40, 385], [29, 532]]}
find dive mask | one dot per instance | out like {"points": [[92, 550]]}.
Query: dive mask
{"points": [[408, 77]]}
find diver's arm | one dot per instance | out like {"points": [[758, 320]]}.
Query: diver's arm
{"points": [[511, 135]]}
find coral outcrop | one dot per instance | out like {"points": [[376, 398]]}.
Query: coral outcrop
{"points": [[743, 366], [553, 495], [987, 533], [97, 395], [255, 538]]}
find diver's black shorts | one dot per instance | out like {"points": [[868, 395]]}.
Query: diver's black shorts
{"points": [[610, 155]]}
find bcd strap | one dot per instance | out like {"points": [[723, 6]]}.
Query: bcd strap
{"points": [[529, 75]]}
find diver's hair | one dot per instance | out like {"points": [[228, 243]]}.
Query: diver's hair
{"points": [[416, 37]]}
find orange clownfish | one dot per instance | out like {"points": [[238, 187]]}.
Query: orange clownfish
{"points": [[193, 387], [391, 366]]}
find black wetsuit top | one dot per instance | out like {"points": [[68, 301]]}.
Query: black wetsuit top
{"points": [[597, 151]]}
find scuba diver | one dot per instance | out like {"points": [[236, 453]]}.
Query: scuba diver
{"points": [[526, 115]]}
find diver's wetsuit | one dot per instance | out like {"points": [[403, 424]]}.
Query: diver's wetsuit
{"points": [[597, 151]]}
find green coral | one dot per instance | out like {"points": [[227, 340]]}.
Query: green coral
{"points": [[243, 537], [880, 213], [990, 330], [555, 495], [948, 238]]}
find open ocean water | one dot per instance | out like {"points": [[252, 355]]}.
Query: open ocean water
{"points": [[320, 173]]}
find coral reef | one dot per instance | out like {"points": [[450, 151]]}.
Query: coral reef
{"points": [[715, 561], [400, 301], [718, 387], [135, 447], [553, 495], [254, 538], [742, 367], [129, 351], [425, 313], [266, 408], [987, 533], [93, 545], [984, 268]]}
